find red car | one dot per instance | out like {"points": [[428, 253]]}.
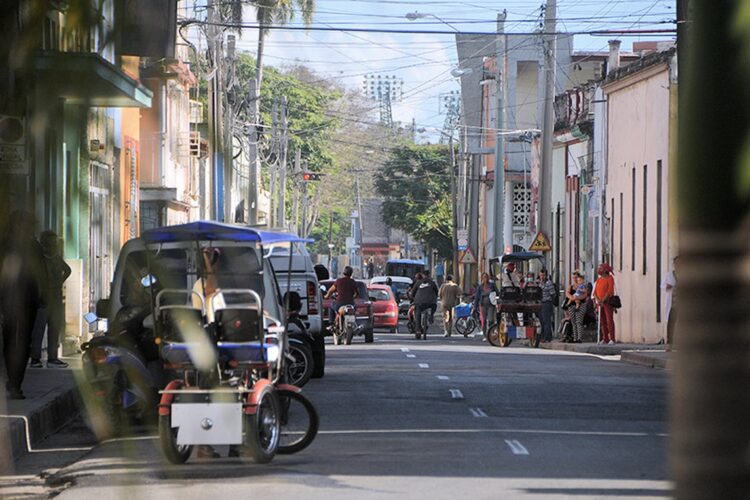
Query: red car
{"points": [[362, 304], [384, 307]]}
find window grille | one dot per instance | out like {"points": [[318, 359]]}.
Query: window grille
{"points": [[521, 205]]}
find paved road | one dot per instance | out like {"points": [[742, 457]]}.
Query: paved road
{"points": [[442, 418]]}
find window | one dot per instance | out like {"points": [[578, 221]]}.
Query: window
{"points": [[621, 226]]}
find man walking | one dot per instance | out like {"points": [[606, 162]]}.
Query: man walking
{"points": [[449, 294], [549, 296]]}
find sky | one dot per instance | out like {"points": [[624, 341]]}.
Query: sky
{"points": [[424, 61]]}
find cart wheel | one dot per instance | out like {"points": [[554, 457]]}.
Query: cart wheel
{"points": [[493, 336], [261, 439], [176, 454], [498, 334], [299, 422]]}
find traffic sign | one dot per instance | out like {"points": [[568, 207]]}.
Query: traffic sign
{"points": [[540, 243], [468, 257]]}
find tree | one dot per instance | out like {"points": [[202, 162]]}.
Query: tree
{"points": [[415, 186]]}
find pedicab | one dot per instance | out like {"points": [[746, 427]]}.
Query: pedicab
{"points": [[220, 328], [518, 306]]}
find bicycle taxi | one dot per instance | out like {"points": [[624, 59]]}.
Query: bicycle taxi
{"points": [[220, 327], [518, 308]]}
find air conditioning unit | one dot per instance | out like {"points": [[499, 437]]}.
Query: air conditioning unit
{"points": [[12, 145]]}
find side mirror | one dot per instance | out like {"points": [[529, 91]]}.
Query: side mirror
{"points": [[322, 289], [102, 308]]}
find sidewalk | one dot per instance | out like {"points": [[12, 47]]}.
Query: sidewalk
{"points": [[51, 402], [651, 355]]}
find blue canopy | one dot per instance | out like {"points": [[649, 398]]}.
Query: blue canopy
{"points": [[215, 231]]}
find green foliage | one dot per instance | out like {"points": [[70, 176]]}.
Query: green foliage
{"points": [[415, 186], [321, 231]]}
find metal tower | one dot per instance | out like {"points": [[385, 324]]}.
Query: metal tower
{"points": [[385, 89], [450, 104]]}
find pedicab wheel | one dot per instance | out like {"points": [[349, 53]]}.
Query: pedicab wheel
{"points": [[493, 336], [174, 453], [262, 429], [299, 422], [534, 340], [301, 369]]}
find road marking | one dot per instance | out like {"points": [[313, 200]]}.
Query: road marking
{"points": [[443, 377], [477, 412], [456, 394], [424, 365], [492, 431], [411, 355], [516, 447], [404, 349]]}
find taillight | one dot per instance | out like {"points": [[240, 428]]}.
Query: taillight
{"points": [[312, 298], [98, 355]]}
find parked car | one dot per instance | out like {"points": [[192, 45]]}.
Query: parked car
{"points": [[362, 304], [384, 307], [303, 280], [402, 284]]}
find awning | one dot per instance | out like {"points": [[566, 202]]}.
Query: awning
{"points": [[217, 231], [88, 79]]}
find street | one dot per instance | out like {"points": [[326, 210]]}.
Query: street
{"points": [[408, 419]]}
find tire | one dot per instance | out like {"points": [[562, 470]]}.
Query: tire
{"points": [[411, 326], [394, 329], [173, 452], [534, 341], [299, 422], [349, 337], [300, 370], [319, 362], [262, 430], [465, 326], [336, 337], [369, 337], [497, 335], [424, 323]]}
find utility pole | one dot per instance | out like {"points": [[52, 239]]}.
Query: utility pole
{"points": [[303, 221], [296, 176], [359, 221], [548, 123], [330, 241], [454, 199], [499, 181], [228, 117], [272, 167], [281, 217], [252, 183], [214, 114]]}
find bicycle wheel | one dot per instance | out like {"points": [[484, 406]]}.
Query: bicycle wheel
{"points": [[261, 440], [299, 422]]}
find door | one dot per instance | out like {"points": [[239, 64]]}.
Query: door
{"points": [[100, 231]]}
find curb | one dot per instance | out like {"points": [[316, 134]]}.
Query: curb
{"points": [[23, 431], [644, 359]]}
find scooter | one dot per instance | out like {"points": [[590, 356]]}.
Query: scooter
{"points": [[122, 374]]}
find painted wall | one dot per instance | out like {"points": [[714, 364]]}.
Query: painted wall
{"points": [[638, 140]]}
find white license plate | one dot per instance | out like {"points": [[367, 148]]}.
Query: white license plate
{"points": [[207, 423]]}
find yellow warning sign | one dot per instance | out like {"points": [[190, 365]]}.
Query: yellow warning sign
{"points": [[540, 243], [468, 257]]}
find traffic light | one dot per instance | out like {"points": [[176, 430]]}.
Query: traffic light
{"points": [[311, 176]]}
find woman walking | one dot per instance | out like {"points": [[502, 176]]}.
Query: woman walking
{"points": [[483, 305], [577, 305], [604, 289]]}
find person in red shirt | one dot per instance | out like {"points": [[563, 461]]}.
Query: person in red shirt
{"points": [[604, 289], [345, 289]]}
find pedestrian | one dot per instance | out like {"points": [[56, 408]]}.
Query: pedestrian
{"points": [[549, 294], [370, 269], [669, 284], [604, 290], [483, 305], [449, 295], [21, 276], [511, 277], [389, 282], [577, 305], [439, 273], [57, 271]]}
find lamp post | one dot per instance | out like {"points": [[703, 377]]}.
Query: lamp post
{"points": [[413, 16]]}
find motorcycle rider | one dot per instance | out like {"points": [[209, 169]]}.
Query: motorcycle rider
{"points": [[425, 297], [346, 289]]}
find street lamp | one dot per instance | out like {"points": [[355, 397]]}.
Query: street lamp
{"points": [[413, 16], [459, 72]]}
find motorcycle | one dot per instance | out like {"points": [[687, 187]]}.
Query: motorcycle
{"points": [[418, 327], [122, 374], [345, 326]]}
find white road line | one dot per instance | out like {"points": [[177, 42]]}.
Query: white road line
{"points": [[404, 349], [443, 377], [456, 394], [516, 447], [477, 412], [411, 355], [424, 365], [493, 431]]}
